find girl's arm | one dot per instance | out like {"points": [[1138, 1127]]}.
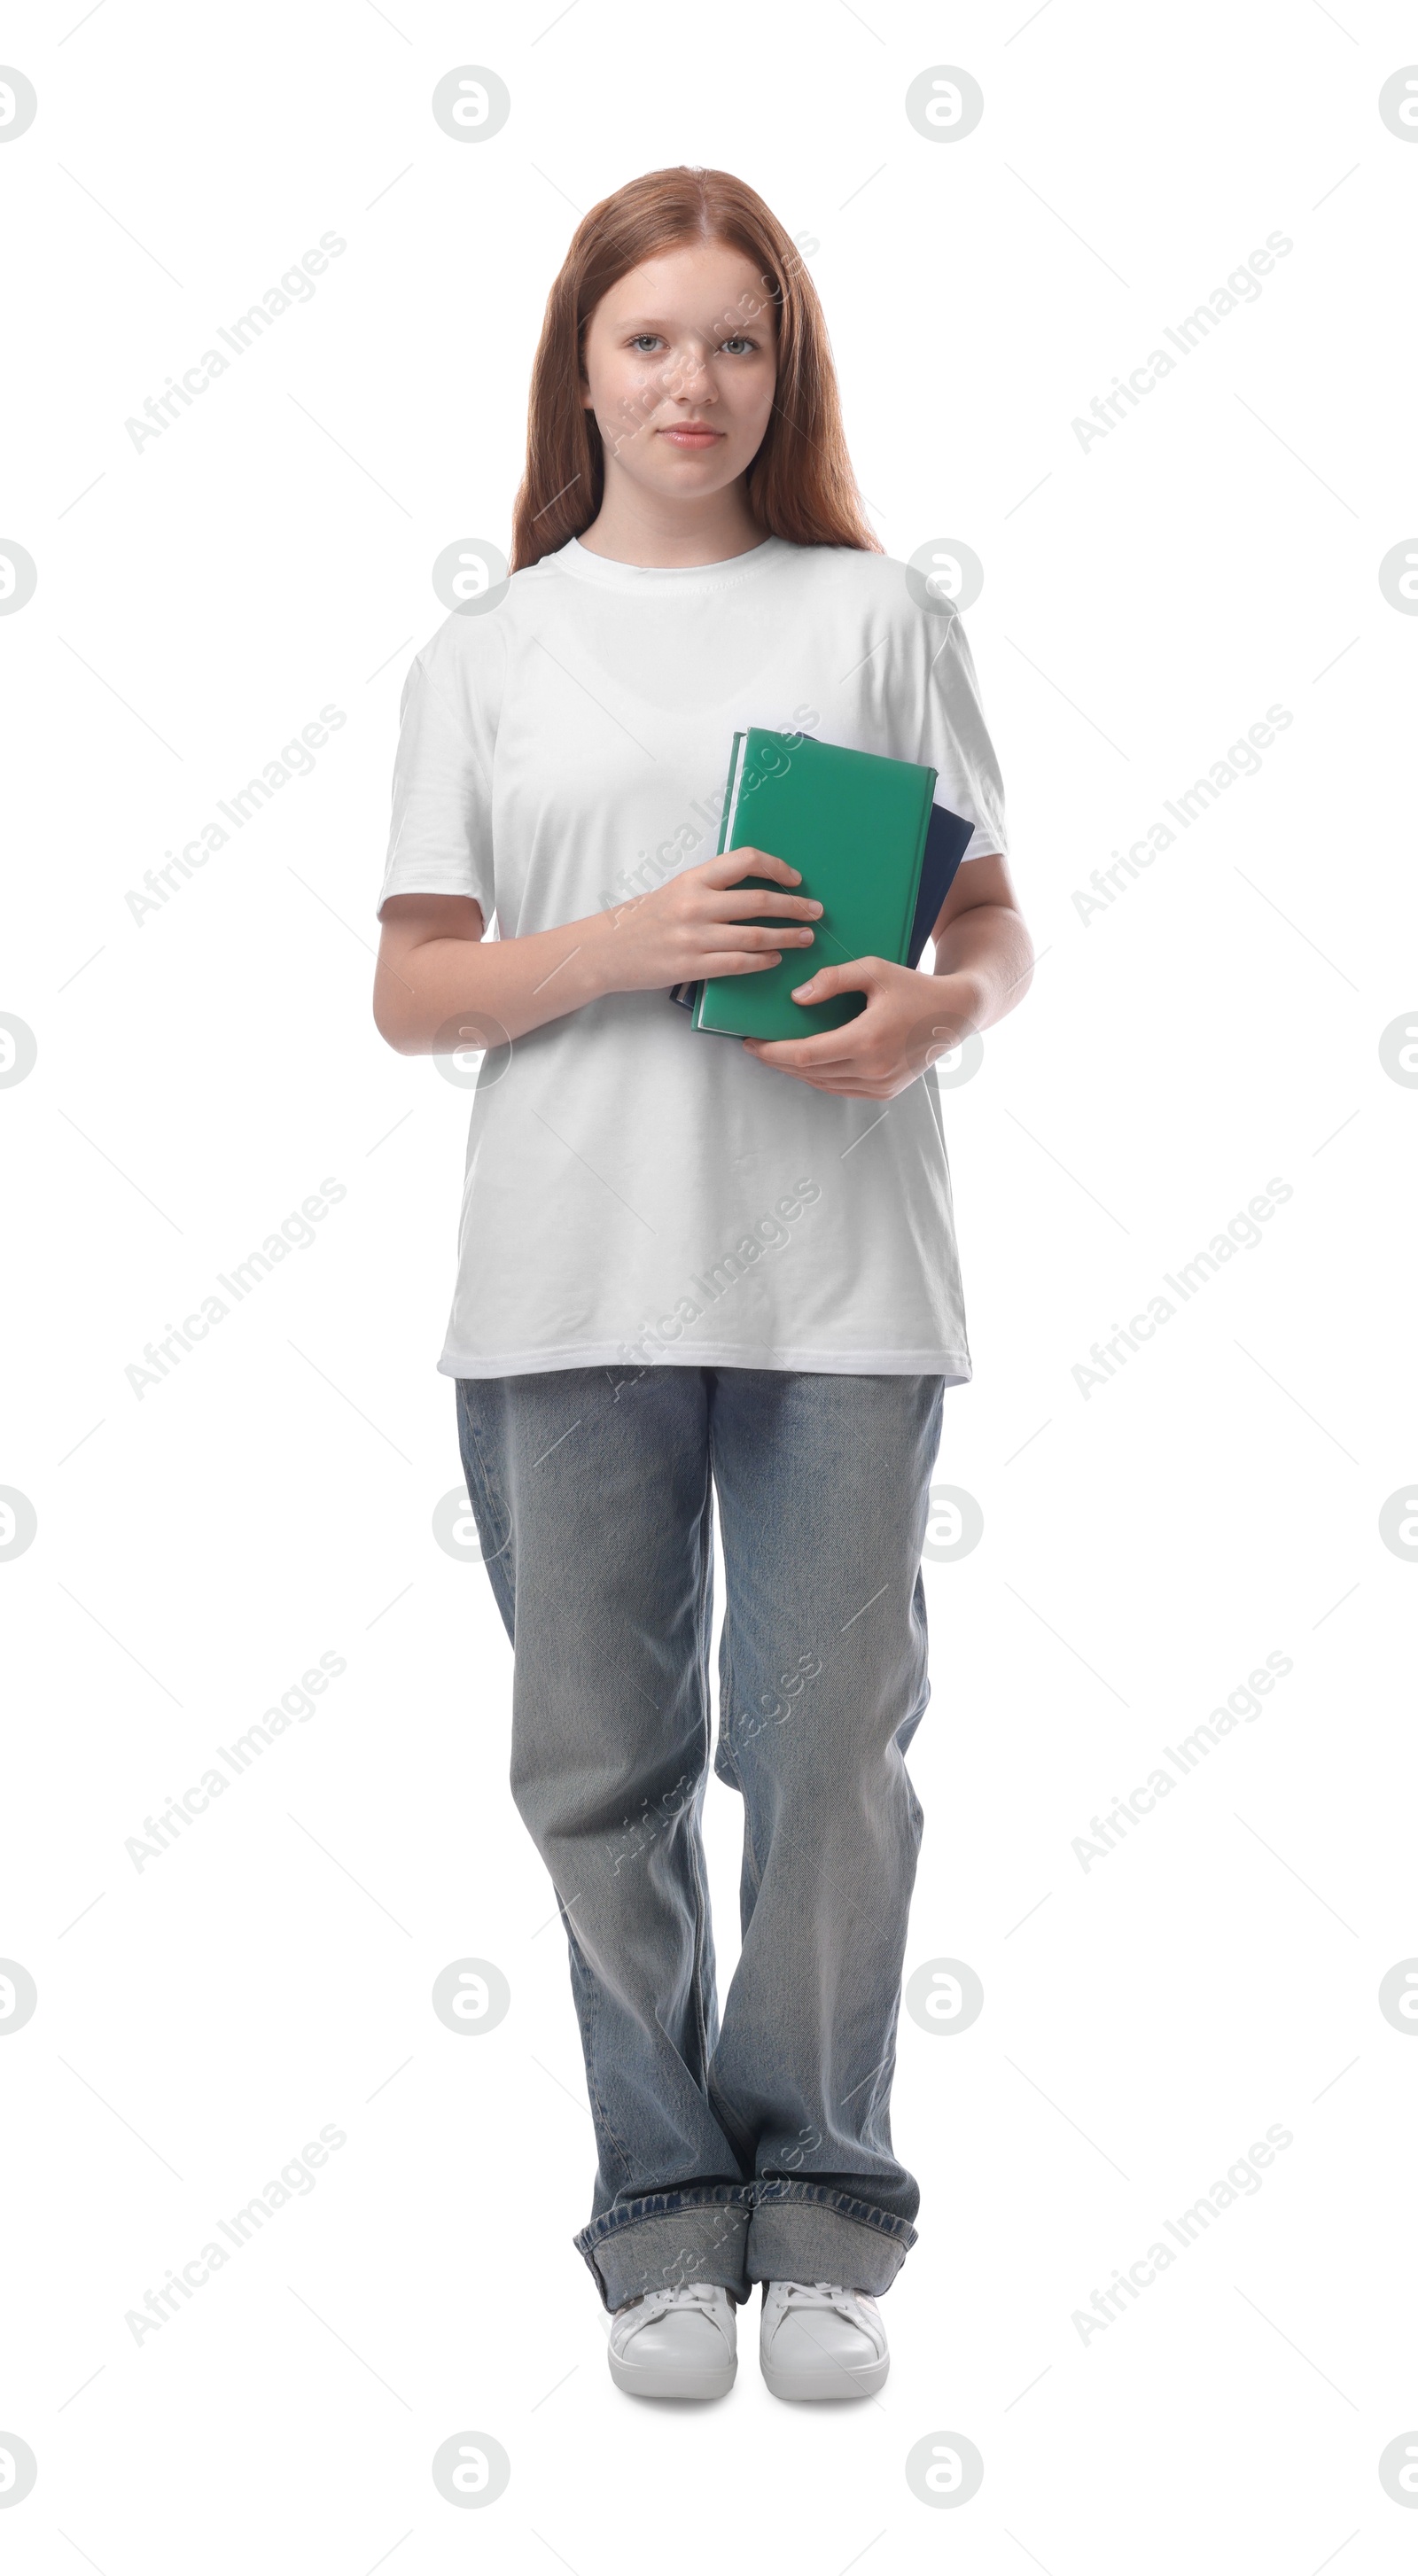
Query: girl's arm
{"points": [[984, 959], [982, 944], [435, 968]]}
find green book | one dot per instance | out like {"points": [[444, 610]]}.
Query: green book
{"points": [[855, 823]]}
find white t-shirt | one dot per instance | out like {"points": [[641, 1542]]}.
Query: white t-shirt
{"points": [[638, 1191]]}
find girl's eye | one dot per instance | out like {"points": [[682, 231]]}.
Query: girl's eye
{"points": [[738, 344]]}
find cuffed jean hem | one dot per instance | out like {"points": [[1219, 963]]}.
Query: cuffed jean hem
{"points": [[736, 2234], [808, 2232], [669, 2238]]}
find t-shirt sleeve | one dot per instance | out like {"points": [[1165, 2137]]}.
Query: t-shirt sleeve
{"points": [[440, 832], [956, 741]]}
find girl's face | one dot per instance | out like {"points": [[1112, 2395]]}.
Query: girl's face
{"points": [[680, 365]]}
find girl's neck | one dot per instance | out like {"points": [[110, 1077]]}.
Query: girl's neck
{"points": [[632, 528]]}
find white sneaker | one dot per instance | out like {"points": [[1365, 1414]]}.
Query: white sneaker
{"points": [[819, 2340], [675, 2343]]}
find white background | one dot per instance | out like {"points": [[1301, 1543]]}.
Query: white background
{"points": [[1145, 1547]]}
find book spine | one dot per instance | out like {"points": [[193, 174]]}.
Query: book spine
{"points": [[731, 798], [903, 943], [731, 793]]}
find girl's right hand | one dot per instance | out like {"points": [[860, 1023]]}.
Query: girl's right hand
{"points": [[704, 923]]}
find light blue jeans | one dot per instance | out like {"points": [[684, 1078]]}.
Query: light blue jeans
{"points": [[759, 2147]]}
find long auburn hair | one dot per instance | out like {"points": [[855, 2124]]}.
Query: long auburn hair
{"points": [[800, 485]]}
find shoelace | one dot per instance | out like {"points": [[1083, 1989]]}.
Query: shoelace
{"points": [[830, 2294], [651, 2305], [818, 2294]]}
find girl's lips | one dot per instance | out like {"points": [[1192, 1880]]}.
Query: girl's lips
{"points": [[691, 437]]}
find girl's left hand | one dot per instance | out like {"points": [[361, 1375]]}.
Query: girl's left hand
{"points": [[909, 1020]]}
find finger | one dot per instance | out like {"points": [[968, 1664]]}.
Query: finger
{"points": [[795, 1055], [730, 865], [736, 961], [751, 934], [859, 975], [847, 1089], [733, 904], [843, 1081], [839, 1049]]}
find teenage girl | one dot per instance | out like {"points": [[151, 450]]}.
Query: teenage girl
{"points": [[691, 1267]]}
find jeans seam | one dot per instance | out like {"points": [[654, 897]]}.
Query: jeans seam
{"points": [[879, 2222], [754, 2197], [615, 2221], [701, 1912], [694, 1829], [498, 1514], [610, 2134], [729, 1684]]}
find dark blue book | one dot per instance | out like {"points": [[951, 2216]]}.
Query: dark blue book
{"points": [[947, 840]]}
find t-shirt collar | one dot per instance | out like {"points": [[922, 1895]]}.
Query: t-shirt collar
{"points": [[579, 560]]}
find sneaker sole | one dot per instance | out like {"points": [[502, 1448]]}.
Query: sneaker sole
{"points": [[802, 2387], [654, 2380]]}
